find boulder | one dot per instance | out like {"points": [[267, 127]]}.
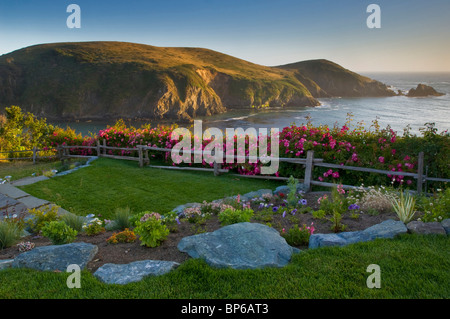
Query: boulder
{"points": [[423, 90], [239, 246], [56, 257], [419, 227], [387, 229], [133, 272], [446, 224], [258, 193]]}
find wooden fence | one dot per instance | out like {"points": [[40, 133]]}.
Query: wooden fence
{"points": [[101, 150], [309, 163], [35, 156]]}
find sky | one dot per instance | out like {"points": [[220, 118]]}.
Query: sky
{"points": [[413, 35]]}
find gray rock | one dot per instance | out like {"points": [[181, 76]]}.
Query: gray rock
{"points": [[281, 189], [180, 208], [239, 246], [6, 263], [133, 272], [419, 227], [446, 224], [56, 257], [387, 229], [257, 193]]}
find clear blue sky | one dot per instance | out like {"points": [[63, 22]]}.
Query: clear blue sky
{"points": [[414, 35]]}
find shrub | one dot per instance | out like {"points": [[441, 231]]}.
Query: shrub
{"points": [[374, 199], [42, 216], [152, 232], [93, 227], [435, 208], [73, 221], [171, 221], [297, 236], [404, 207], [59, 232], [232, 216], [9, 234], [125, 236], [121, 220]]}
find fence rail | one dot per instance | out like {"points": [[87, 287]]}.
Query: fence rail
{"points": [[35, 157], [63, 153]]}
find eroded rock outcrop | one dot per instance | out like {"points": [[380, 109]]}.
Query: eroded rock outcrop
{"points": [[423, 90]]}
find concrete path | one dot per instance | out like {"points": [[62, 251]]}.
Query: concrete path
{"points": [[15, 201]]}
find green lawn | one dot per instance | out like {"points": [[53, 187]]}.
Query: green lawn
{"points": [[108, 184], [412, 267], [22, 169]]}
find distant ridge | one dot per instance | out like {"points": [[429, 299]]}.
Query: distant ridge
{"points": [[99, 80]]}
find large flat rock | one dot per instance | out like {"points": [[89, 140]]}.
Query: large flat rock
{"points": [[387, 229], [133, 272], [56, 257], [239, 246]]}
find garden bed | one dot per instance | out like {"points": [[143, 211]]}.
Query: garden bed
{"points": [[123, 253]]}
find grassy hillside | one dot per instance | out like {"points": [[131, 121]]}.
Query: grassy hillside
{"points": [[334, 80], [89, 80]]}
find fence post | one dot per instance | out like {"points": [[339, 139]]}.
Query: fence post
{"points": [[104, 146], [34, 155], [308, 170], [141, 157], [98, 148], [420, 173]]}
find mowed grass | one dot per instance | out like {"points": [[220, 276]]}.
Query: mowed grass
{"points": [[411, 267], [109, 184], [21, 169]]}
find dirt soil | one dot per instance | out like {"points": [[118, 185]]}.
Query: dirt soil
{"points": [[124, 253]]}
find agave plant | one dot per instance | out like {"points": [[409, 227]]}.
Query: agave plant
{"points": [[404, 207]]}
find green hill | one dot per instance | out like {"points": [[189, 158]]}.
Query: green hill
{"points": [[328, 79], [97, 80]]}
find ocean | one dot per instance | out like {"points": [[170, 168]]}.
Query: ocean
{"points": [[397, 112]]}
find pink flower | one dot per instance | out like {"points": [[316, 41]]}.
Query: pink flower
{"points": [[381, 159], [335, 175]]}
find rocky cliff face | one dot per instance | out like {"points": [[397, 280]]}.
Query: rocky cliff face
{"points": [[98, 80]]}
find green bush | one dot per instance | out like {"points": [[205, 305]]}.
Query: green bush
{"points": [[59, 232], [297, 236], [121, 220], [435, 208], [42, 216], [232, 216], [152, 232], [9, 234], [73, 221]]}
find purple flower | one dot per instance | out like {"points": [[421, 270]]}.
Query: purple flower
{"points": [[275, 208], [302, 201], [353, 206], [284, 214], [294, 211], [178, 221]]}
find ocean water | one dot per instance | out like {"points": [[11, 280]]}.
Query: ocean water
{"points": [[397, 112]]}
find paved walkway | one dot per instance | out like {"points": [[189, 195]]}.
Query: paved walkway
{"points": [[15, 201]]}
